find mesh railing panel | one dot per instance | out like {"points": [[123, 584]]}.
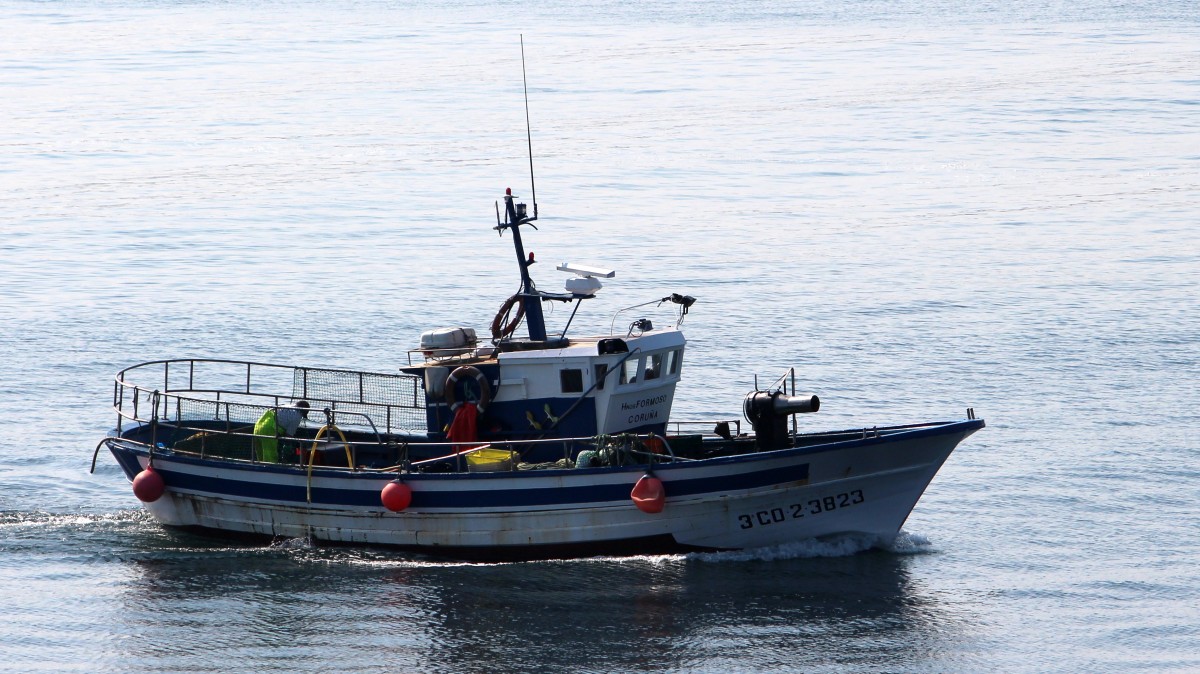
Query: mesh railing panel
{"points": [[364, 387], [392, 403]]}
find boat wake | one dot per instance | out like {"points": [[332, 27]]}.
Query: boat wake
{"points": [[301, 543], [906, 543], [844, 545], [41, 520]]}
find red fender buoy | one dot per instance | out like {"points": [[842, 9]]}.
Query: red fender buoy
{"points": [[648, 494], [148, 485], [396, 496]]}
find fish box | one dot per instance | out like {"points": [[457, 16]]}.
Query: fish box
{"points": [[490, 460]]}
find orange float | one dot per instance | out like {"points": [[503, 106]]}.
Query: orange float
{"points": [[648, 494], [148, 485], [396, 496]]}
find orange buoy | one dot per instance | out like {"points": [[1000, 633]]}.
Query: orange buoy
{"points": [[148, 485], [396, 496], [648, 494]]}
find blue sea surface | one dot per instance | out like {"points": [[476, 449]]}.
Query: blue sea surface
{"points": [[922, 206]]}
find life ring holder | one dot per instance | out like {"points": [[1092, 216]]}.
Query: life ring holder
{"points": [[500, 331], [464, 372]]}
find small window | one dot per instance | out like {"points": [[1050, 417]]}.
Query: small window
{"points": [[630, 370], [673, 359], [654, 367], [572, 381], [601, 374]]}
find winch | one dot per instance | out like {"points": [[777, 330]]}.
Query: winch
{"points": [[768, 412]]}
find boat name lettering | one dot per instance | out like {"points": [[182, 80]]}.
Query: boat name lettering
{"points": [[644, 416], [796, 511], [644, 402]]}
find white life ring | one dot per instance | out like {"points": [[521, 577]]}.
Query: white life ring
{"points": [[464, 372]]}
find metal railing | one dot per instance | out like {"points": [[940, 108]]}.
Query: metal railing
{"points": [[735, 426], [239, 392], [209, 407]]}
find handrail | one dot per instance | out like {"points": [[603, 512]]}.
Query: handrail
{"points": [[394, 400], [122, 378], [453, 354], [492, 443], [864, 433], [370, 421], [351, 446], [252, 363], [871, 431], [736, 423]]}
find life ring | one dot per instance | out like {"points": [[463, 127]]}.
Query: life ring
{"points": [[500, 332], [464, 372]]}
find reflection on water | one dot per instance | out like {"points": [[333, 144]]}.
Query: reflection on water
{"points": [[305, 606]]}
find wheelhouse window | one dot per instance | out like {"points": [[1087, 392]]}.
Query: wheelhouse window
{"points": [[654, 365], [571, 380], [629, 370], [601, 375], [673, 360]]}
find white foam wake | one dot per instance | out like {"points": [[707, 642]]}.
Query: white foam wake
{"points": [[843, 545]]}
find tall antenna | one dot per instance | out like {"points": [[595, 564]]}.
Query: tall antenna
{"points": [[528, 133]]}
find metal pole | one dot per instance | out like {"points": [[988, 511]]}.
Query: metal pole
{"points": [[795, 427]]}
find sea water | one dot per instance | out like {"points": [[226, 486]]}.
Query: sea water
{"points": [[922, 206]]}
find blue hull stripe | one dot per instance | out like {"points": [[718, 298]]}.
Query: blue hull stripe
{"points": [[476, 498]]}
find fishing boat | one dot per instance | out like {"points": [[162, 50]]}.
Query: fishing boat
{"points": [[543, 445]]}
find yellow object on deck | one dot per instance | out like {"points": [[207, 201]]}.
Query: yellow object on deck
{"points": [[490, 459]]}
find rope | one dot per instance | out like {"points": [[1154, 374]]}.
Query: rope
{"points": [[312, 454], [96, 454]]}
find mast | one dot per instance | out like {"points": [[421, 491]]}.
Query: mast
{"points": [[515, 216], [531, 299]]}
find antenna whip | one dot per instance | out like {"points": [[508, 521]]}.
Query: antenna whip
{"points": [[528, 133]]}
